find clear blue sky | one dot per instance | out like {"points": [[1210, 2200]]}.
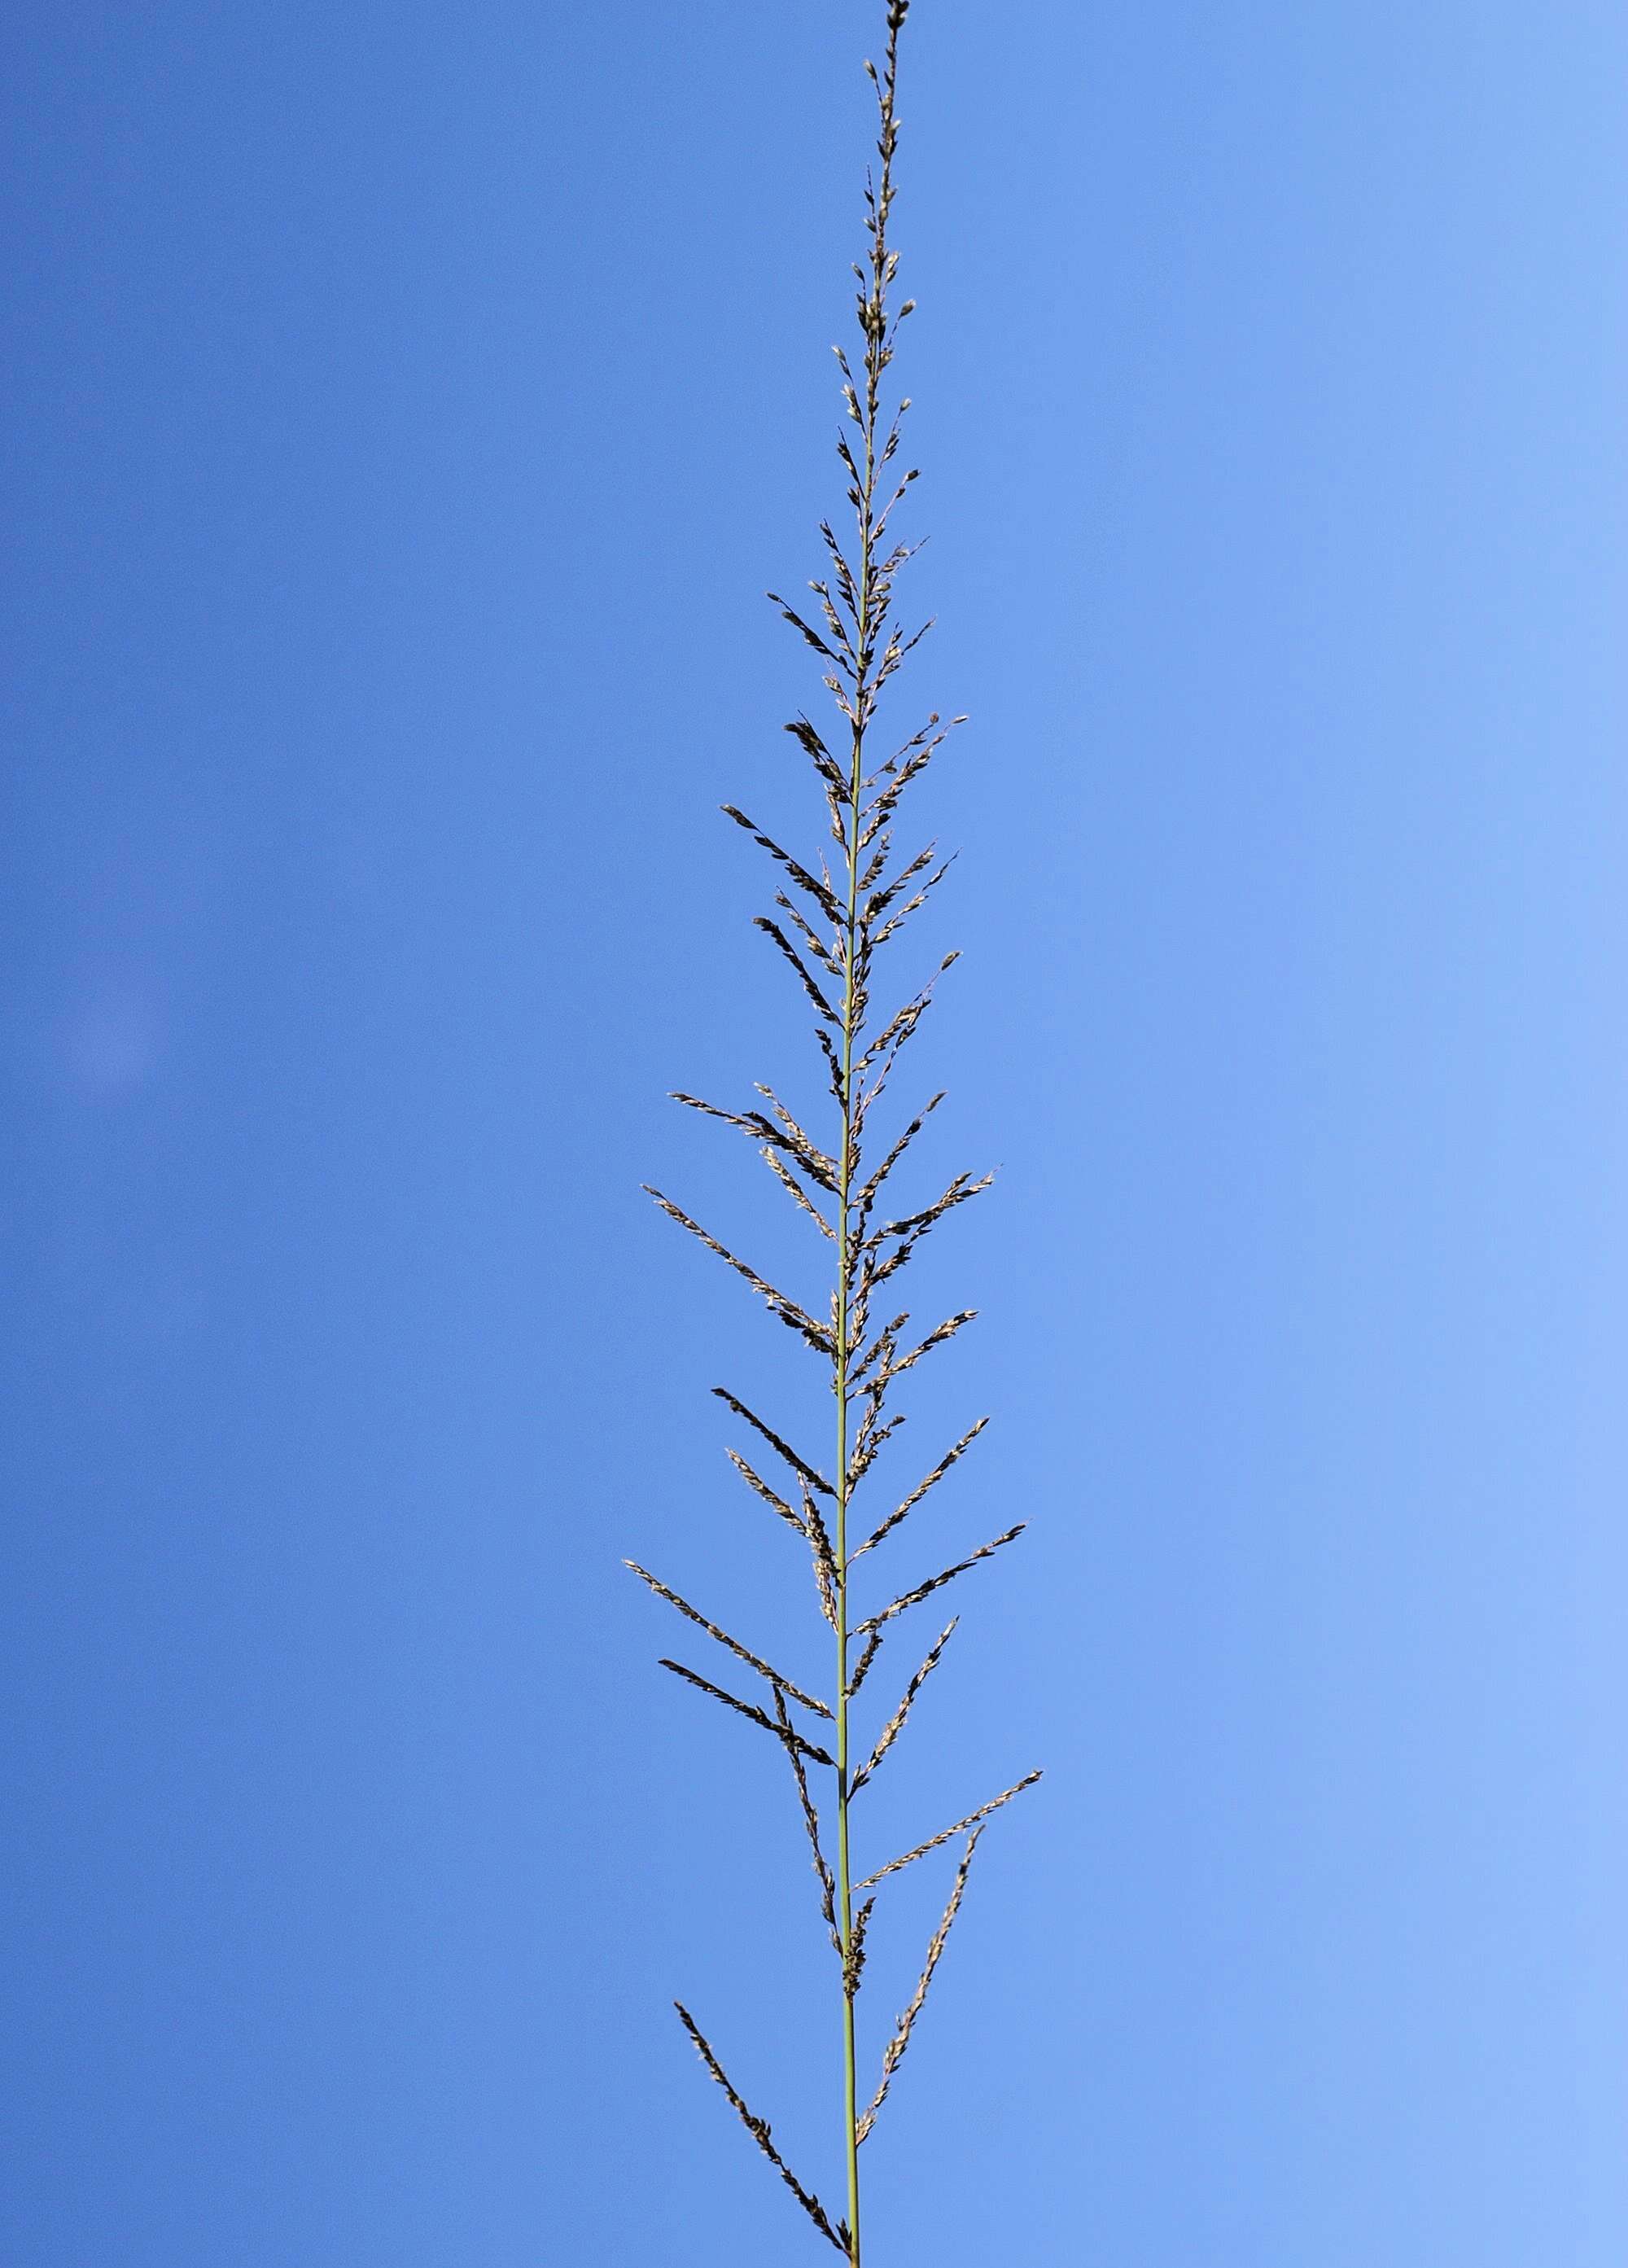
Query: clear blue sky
{"points": [[407, 408]]}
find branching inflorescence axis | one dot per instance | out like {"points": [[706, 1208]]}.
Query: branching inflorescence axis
{"points": [[833, 915]]}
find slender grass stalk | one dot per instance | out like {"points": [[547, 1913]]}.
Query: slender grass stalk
{"points": [[831, 927]]}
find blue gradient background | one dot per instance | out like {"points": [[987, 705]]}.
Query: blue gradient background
{"points": [[407, 408]]}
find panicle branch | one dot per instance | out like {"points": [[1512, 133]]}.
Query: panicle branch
{"points": [[746, 1709], [759, 2130], [743, 1653], [948, 1833], [892, 2054], [894, 1726]]}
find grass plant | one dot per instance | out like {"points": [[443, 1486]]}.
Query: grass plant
{"points": [[834, 913]]}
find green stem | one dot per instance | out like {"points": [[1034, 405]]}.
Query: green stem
{"points": [[853, 1012], [850, 1019]]}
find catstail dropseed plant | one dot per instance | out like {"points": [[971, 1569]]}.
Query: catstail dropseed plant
{"points": [[833, 917]]}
